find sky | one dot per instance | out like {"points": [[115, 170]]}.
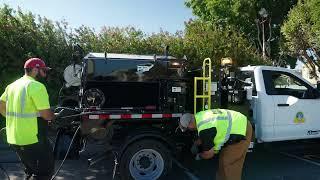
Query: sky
{"points": [[147, 15]]}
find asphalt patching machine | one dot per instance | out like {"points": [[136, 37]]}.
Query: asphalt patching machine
{"points": [[130, 105]]}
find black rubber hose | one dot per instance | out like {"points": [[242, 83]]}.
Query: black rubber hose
{"points": [[186, 170], [115, 166]]}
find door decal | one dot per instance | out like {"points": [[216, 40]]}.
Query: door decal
{"points": [[299, 118]]}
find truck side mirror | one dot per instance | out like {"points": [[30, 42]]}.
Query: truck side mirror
{"points": [[249, 92], [248, 87]]}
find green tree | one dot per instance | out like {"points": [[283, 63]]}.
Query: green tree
{"points": [[209, 40], [302, 31], [238, 13], [22, 36], [87, 38], [242, 15]]}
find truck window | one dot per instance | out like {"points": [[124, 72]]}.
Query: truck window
{"points": [[283, 83]]}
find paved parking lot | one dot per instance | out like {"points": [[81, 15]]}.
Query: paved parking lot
{"points": [[278, 161]]}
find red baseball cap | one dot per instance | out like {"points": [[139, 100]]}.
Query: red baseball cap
{"points": [[35, 63]]}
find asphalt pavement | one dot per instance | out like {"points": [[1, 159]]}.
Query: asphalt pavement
{"points": [[277, 161]]}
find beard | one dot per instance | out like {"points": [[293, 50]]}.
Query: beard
{"points": [[41, 79]]}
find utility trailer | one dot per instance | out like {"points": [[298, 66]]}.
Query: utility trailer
{"points": [[142, 97]]}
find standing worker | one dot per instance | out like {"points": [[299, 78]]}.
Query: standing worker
{"points": [[25, 104], [220, 130]]}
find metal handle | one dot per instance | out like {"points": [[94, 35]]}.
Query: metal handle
{"points": [[283, 104]]}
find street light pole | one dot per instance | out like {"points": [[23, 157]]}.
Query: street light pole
{"points": [[263, 42], [264, 14]]}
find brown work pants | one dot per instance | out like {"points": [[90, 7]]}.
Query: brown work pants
{"points": [[232, 158]]}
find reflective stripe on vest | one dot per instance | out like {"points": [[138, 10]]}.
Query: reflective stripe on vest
{"points": [[23, 105], [23, 115], [7, 101], [220, 118], [23, 96], [228, 130]]}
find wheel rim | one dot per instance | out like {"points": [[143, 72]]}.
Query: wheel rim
{"points": [[146, 164]]}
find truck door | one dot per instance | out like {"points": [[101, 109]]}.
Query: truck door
{"points": [[296, 106]]}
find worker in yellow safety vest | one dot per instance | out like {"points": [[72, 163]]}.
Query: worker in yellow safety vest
{"points": [[25, 104], [220, 130]]}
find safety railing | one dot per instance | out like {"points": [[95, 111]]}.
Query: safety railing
{"points": [[206, 86]]}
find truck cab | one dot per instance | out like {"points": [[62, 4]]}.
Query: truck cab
{"points": [[284, 106]]}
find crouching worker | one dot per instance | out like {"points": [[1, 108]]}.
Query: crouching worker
{"points": [[220, 130]]}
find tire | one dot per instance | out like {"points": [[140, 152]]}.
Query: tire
{"points": [[62, 144], [145, 160]]}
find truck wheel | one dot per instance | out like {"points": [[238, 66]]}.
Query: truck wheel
{"points": [[145, 160]]}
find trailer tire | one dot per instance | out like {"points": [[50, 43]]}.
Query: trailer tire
{"points": [[145, 159], [62, 144]]}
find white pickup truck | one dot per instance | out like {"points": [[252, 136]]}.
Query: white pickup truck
{"points": [[284, 106]]}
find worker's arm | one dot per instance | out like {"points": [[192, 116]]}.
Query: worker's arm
{"points": [[205, 141], [3, 108], [47, 114]]}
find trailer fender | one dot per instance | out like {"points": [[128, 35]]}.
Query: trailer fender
{"points": [[149, 134]]}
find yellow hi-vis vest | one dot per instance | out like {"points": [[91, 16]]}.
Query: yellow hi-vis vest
{"points": [[225, 121], [24, 98]]}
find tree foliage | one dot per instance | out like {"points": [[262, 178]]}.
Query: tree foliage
{"points": [[209, 40], [24, 35], [302, 31], [238, 13], [243, 15]]}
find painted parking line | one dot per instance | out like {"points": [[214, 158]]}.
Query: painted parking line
{"points": [[299, 158]]}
